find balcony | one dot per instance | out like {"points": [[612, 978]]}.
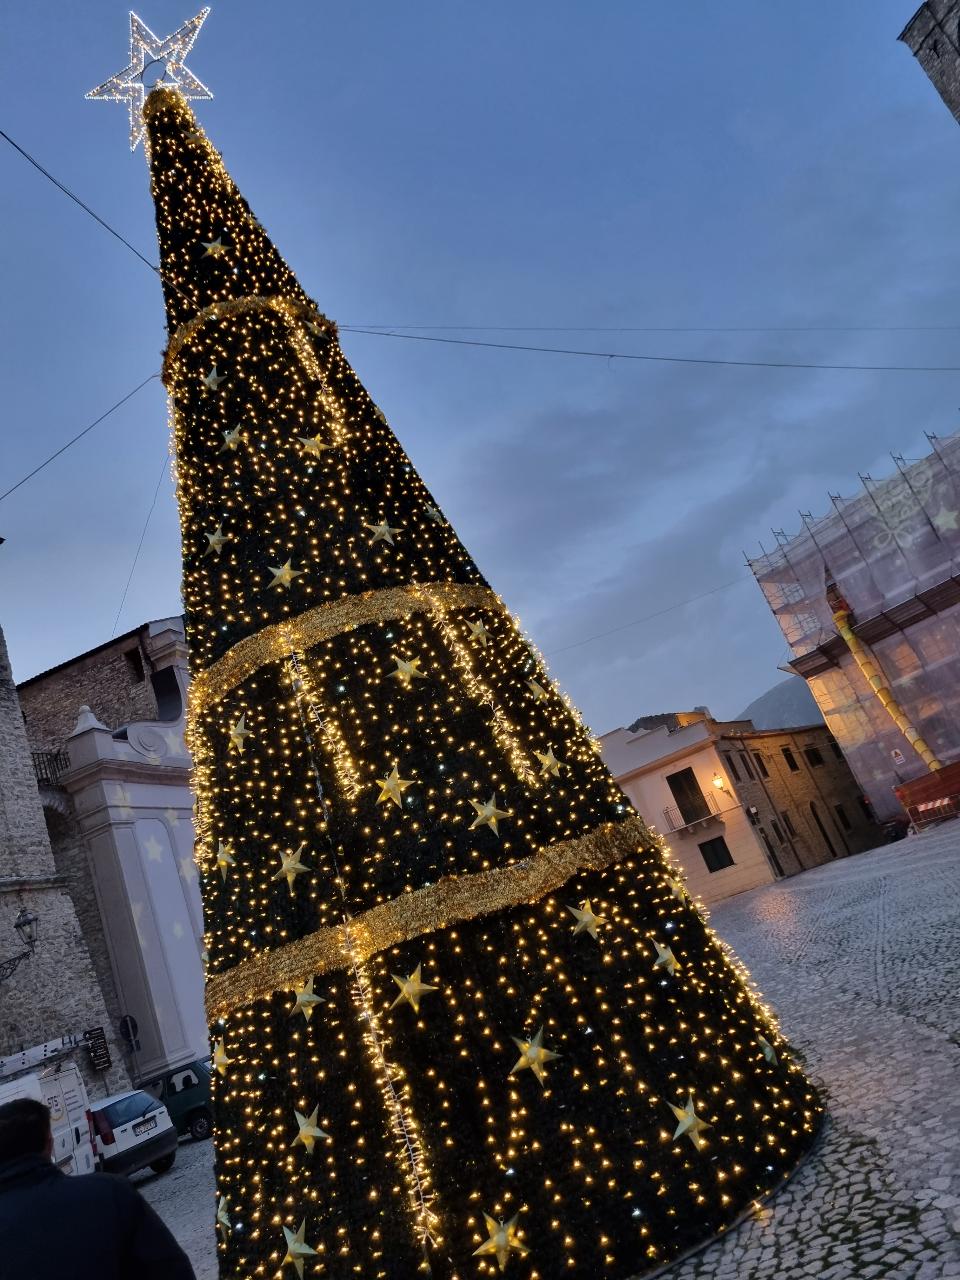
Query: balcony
{"points": [[705, 810], [49, 765]]}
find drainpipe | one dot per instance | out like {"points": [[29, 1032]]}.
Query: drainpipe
{"points": [[873, 674]]}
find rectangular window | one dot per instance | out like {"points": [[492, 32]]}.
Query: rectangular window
{"points": [[746, 766], [731, 767], [842, 818], [814, 758], [761, 767], [835, 748], [686, 791], [777, 832], [791, 759], [134, 665], [716, 854], [788, 822]]}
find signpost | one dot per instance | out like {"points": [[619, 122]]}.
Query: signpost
{"points": [[96, 1040]]}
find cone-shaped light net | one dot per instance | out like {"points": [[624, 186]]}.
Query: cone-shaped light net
{"points": [[464, 1016]]}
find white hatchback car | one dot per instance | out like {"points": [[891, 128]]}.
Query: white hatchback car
{"points": [[133, 1131]]}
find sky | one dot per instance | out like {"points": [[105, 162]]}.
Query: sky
{"points": [[782, 175]]}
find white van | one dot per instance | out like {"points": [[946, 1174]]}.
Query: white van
{"points": [[133, 1131], [63, 1091]]}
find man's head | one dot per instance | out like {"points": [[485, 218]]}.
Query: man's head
{"points": [[24, 1130]]}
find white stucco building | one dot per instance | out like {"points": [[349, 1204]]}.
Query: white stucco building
{"points": [[719, 850], [116, 796]]}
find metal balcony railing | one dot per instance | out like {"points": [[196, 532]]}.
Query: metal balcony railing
{"points": [[49, 765], [693, 816]]}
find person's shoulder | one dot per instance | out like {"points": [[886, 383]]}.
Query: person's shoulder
{"points": [[104, 1187]]}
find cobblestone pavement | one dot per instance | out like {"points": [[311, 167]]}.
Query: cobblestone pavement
{"points": [[861, 960], [185, 1199]]}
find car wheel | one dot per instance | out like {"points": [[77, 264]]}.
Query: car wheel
{"points": [[201, 1125], [164, 1163]]}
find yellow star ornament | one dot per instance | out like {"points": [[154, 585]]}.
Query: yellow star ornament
{"points": [[392, 787], [676, 888], [665, 959], [217, 540], [296, 1249], [537, 689], [223, 1218], [231, 440], [533, 1056], [307, 1131], [504, 1240], [381, 532], [304, 1000], [411, 989], [407, 672], [238, 732], [488, 815], [213, 379], [587, 920], [768, 1050], [549, 764], [214, 248], [478, 632], [291, 866], [313, 445], [225, 859], [220, 1059], [690, 1125], [283, 574]]}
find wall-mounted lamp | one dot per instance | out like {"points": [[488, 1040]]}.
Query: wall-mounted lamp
{"points": [[26, 925], [719, 783]]}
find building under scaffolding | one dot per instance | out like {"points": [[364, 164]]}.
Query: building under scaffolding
{"points": [[889, 560]]}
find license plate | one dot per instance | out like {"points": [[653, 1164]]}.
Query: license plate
{"points": [[145, 1126]]}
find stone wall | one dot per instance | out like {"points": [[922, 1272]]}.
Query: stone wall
{"points": [[933, 36], [788, 801], [55, 992], [113, 680]]}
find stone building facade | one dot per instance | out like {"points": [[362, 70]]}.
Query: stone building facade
{"points": [[106, 730], [802, 798], [933, 36], [56, 994], [740, 807], [119, 680]]}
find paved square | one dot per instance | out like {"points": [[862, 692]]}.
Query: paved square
{"points": [[861, 960]]}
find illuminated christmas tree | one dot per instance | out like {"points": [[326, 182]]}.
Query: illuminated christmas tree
{"points": [[465, 1018]]}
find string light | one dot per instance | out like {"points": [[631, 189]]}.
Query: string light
{"points": [[375, 725]]}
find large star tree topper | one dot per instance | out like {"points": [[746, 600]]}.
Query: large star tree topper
{"points": [[146, 51]]}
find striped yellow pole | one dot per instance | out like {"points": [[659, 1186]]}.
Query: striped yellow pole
{"points": [[877, 681]]}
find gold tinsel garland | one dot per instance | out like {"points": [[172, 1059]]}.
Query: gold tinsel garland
{"points": [[273, 643], [288, 308], [436, 906]]}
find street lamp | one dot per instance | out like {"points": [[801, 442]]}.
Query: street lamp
{"points": [[26, 925]]}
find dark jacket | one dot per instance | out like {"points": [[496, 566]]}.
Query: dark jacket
{"points": [[92, 1227]]}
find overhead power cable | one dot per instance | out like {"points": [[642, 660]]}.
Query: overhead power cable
{"points": [[648, 617], [622, 355], [76, 199], [143, 534], [507, 346], [669, 328], [79, 436]]}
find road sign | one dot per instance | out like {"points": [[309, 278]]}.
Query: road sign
{"points": [[96, 1039], [129, 1029]]}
